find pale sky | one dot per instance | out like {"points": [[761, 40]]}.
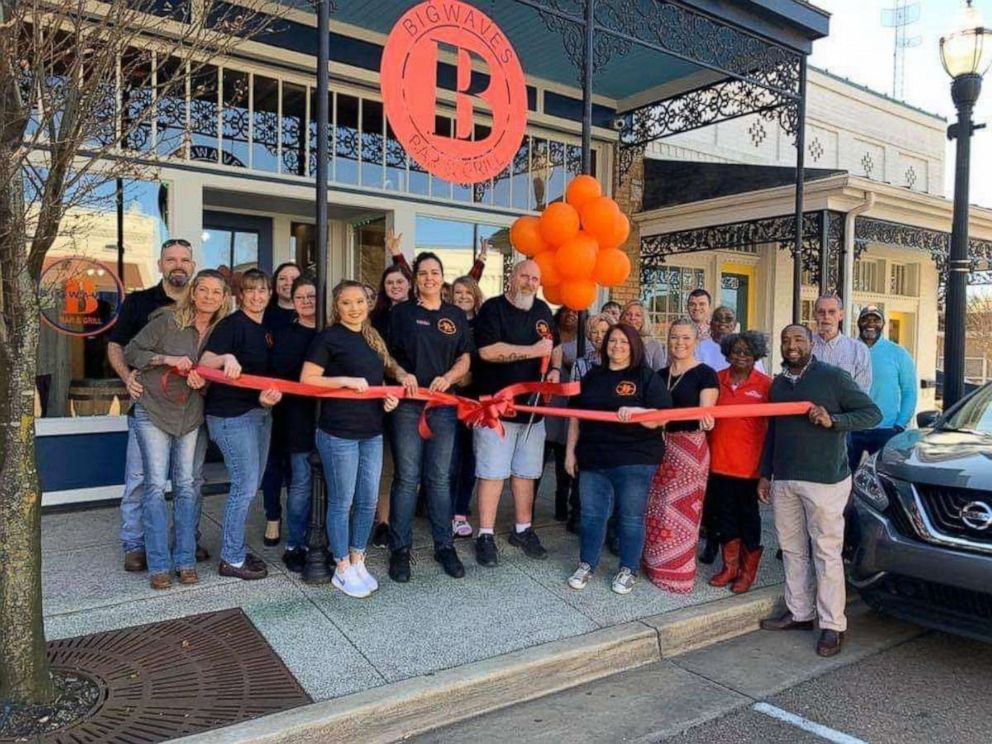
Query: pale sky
{"points": [[860, 48]]}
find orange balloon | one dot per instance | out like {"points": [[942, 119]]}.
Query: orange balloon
{"points": [[552, 294], [581, 190], [599, 217], [578, 294], [559, 222], [576, 258], [621, 231], [525, 235], [612, 267], [549, 273]]}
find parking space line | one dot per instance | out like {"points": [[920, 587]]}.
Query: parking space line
{"points": [[812, 727]]}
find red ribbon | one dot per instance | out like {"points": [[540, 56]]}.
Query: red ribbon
{"points": [[490, 410]]}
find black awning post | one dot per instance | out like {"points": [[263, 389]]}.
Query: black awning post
{"points": [[797, 256]]}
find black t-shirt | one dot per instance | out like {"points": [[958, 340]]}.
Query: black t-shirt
{"points": [[250, 342], [685, 390], [294, 417], [604, 445], [425, 342], [138, 306], [500, 321], [344, 353], [276, 317]]}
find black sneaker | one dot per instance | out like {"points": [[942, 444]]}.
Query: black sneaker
{"points": [[295, 559], [380, 535], [399, 565], [529, 543], [485, 551], [254, 562], [449, 560]]}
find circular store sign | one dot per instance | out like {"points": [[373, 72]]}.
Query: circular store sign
{"points": [[79, 296], [409, 78]]}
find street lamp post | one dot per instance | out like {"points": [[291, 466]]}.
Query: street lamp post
{"points": [[966, 58]]}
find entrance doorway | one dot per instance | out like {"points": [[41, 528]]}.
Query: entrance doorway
{"points": [[737, 291], [235, 242]]}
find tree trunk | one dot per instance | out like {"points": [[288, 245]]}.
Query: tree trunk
{"points": [[24, 673]]}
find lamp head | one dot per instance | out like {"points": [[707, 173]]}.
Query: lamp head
{"points": [[968, 49]]}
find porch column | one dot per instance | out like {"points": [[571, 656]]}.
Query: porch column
{"points": [[797, 257]]}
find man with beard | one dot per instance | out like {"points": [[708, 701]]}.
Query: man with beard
{"points": [[177, 266], [513, 333], [806, 477], [834, 347]]}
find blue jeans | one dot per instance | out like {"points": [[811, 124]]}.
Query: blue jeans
{"points": [[132, 531], [462, 475], [163, 454], [627, 487], [278, 471], [298, 500], [352, 468], [244, 442], [419, 460]]}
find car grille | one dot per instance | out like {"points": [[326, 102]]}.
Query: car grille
{"points": [[947, 598], [943, 508]]}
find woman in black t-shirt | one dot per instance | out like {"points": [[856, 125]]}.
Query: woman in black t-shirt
{"points": [[429, 339], [239, 420], [617, 460], [281, 311], [350, 354], [675, 501], [293, 422]]}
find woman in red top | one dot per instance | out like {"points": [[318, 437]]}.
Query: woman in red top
{"points": [[735, 451]]}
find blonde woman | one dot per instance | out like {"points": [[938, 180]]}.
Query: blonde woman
{"points": [[635, 314], [596, 329], [167, 419], [350, 354], [675, 499], [466, 295]]}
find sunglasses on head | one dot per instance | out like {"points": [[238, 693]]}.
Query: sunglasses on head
{"points": [[176, 241]]}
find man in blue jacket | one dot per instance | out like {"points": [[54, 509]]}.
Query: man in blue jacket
{"points": [[893, 386]]}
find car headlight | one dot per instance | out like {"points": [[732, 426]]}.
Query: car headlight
{"points": [[868, 487]]}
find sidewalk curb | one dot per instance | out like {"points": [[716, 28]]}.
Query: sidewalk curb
{"points": [[411, 706]]}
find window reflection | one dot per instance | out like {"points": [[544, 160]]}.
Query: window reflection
{"points": [[234, 118], [396, 179], [439, 187], [294, 111], [136, 99], [457, 243], [346, 140], [170, 107], [203, 115], [520, 187], [265, 124], [372, 143]]}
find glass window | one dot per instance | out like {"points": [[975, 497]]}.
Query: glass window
{"points": [[499, 260], [294, 112], [520, 186], [451, 240], [265, 124], [440, 187], [372, 144], [312, 134], [554, 188], [136, 96], [235, 249], [74, 377], [420, 180], [665, 292], [203, 115], [396, 179], [346, 139], [234, 118], [170, 107]]}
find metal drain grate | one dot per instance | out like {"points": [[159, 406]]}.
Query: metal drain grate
{"points": [[177, 677]]}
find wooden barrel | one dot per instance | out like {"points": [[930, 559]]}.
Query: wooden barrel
{"points": [[89, 397]]}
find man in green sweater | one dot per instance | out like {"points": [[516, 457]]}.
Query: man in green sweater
{"points": [[806, 477]]}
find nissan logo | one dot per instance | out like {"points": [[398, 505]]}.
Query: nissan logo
{"points": [[977, 515]]}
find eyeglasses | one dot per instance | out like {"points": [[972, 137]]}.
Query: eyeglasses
{"points": [[305, 298], [176, 241]]}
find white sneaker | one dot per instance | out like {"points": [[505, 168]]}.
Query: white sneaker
{"points": [[350, 583], [367, 578], [624, 581], [461, 528], [580, 578]]}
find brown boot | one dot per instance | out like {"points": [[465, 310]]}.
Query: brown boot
{"points": [[749, 569], [160, 581], [201, 554], [134, 561], [188, 576], [731, 564]]}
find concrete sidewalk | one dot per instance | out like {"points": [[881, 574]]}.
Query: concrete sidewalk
{"points": [[337, 646]]}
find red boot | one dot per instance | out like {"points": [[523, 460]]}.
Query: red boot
{"points": [[731, 564], [749, 569]]}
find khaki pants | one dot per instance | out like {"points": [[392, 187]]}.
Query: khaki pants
{"points": [[813, 513]]}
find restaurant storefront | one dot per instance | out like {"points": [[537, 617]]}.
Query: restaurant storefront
{"points": [[236, 160]]}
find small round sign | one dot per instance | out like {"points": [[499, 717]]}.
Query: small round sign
{"points": [[409, 79], [78, 296]]}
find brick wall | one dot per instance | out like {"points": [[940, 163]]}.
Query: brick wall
{"points": [[628, 193]]}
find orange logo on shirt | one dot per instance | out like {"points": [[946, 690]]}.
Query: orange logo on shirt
{"points": [[626, 388], [447, 327], [543, 329]]}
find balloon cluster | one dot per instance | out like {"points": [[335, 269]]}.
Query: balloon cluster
{"points": [[577, 244]]}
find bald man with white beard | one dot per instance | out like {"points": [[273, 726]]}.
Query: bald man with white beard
{"points": [[513, 333]]}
